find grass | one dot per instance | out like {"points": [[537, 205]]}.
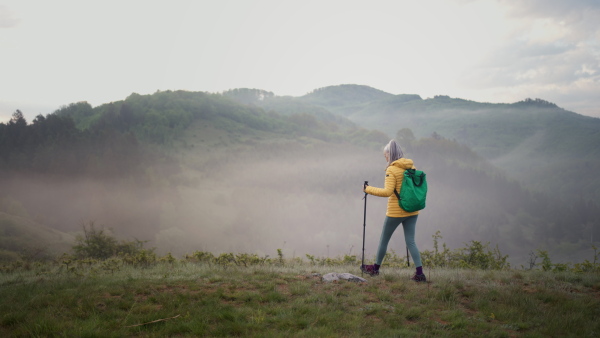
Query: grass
{"points": [[198, 299]]}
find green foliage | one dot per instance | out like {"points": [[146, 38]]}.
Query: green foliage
{"points": [[586, 265], [168, 258], [583, 267], [229, 259], [546, 262], [474, 256], [54, 145], [436, 258], [336, 261], [99, 250], [200, 256], [80, 112], [98, 244], [143, 258], [478, 256]]}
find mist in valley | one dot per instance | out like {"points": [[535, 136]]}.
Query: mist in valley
{"points": [[188, 171], [303, 199]]}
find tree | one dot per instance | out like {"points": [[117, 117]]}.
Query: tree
{"points": [[18, 119], [405, 137], [96, 243]]}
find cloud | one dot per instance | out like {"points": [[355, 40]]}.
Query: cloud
{"points": [[550, 51], [518, 62], [7, 20], [558, 39], [551, 8]]}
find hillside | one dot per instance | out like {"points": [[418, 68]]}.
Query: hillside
{"points": [[23, 237], [528, 139], [197, 171]]}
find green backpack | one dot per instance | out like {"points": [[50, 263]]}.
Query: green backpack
{"points": [[413, 191]]}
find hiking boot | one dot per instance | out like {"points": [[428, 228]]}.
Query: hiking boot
{"points": [[372, 270], [419, 278]]}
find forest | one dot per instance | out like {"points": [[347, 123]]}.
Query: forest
{"points": [[248, 171]]}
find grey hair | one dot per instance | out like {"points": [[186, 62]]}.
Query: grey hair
{"points": [[394, 150]]}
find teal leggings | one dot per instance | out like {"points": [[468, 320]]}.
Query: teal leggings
{"points": [[389, 226]]}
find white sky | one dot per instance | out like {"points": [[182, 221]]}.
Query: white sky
{"points": [[54, 53]]}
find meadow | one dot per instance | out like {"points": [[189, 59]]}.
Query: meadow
{"points": [[246, 295], [236, 172]]}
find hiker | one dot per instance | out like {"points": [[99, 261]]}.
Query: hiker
{"points": [[395, 215]]}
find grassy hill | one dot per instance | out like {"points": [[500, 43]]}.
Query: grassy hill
{"points": [[289, 298]]}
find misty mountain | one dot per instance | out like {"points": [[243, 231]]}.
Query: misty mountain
{"points": [[534, 141], [228, 172]]}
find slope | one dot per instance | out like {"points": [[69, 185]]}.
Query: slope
{"points": [[21, 235]]}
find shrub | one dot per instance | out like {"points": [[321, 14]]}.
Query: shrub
{"points": [[475, 255], [548, 265], [98, 244]]}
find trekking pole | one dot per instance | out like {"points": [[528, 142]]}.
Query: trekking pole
{"points": [[364, 228], [407, 261]]}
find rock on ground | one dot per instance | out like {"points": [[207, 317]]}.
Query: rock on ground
{"points": [[333, 276]]}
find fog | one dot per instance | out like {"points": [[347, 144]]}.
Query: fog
{"points": [[302, 202], [257, 199], [308, 201]]}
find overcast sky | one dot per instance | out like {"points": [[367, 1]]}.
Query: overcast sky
{"points": [[54, 53]]}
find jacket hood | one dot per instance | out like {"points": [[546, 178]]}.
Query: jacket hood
{"points": [[403, 163]]}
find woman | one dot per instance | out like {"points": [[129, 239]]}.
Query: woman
{"points": [[395, 215]]}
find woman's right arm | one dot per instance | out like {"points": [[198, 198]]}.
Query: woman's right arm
{"points": [[389, 185]]}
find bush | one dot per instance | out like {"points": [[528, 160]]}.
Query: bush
{"points": [[98, 244], [475, 256], [548, 265]]}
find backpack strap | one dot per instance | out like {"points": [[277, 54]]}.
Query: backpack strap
{"points": [[396, 192]]}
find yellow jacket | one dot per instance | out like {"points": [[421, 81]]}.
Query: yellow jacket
{"points": [[393, 179]]}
